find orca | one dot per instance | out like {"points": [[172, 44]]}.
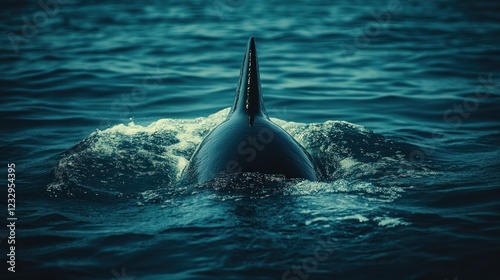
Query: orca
{"points": [[248, 141]]}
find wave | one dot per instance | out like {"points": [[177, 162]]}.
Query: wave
{"points": [[131, 160]]}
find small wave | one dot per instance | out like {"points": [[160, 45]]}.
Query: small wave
{"points": [[129, 160]]}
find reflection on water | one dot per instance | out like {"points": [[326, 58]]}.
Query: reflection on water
{"points": [[103, 103]]}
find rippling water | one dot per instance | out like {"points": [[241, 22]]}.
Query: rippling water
{"points": [[103, 102]]}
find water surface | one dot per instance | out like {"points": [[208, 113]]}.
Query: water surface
{"points": [[397, 101]]}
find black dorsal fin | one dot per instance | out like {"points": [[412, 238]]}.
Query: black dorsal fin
{"points": [[248, 99]]}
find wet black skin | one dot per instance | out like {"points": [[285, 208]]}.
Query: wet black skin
{"points": [[248, 141]]}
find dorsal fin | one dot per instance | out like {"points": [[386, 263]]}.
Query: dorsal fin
{"points": [[248, 99]]}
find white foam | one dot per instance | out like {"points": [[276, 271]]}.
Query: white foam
{"points": [[168, 143], [390, 222], [358, 217], [316, 220]]}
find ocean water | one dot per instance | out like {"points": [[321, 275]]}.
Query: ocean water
{"points": [[103, 102]]}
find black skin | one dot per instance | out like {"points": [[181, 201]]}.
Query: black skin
{"points": [[248, 141]]}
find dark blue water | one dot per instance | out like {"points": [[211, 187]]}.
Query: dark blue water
{"points": [[103, 102]]}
